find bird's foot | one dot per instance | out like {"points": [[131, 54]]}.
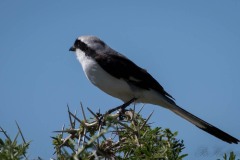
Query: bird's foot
{"points": [[122, 109]]}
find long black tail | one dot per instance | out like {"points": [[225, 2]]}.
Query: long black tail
{"points": [[203, 125]]}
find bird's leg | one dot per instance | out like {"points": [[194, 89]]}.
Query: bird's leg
{"points": [[121, 107]]}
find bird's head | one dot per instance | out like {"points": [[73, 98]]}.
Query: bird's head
{"points": [[88, 43]]}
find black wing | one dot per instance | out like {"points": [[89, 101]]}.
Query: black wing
{"points": [[120, 67]]}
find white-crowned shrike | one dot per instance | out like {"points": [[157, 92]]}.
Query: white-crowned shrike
{"points": [[119, 77]]}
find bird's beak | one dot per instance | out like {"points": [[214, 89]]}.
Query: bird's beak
{"points": [[73, 48]]}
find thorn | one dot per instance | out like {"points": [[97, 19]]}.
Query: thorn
{"points": [[74, 121], [92, 113], [84, 116], [63, 127], [70, 118], [146, 120], [77, 119], [20, 132], [5, 133], [54, 138], [140, 109]]}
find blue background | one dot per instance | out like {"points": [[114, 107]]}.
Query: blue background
{"points": [[191, 47]]}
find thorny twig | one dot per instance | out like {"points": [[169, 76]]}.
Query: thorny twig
{"points": [[103, 146]]}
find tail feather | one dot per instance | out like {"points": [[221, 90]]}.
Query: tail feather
{"points": [[204, 125]]}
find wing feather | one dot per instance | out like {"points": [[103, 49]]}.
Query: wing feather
{"points": [[121, 67]]}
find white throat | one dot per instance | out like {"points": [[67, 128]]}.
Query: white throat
{"points": [[115, 87]]}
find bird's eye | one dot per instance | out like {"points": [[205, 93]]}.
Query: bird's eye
{"points": [[81, 45]]}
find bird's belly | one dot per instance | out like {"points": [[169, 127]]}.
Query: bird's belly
{"points": [[113, 86]]}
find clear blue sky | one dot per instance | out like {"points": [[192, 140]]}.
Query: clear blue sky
{"points": [[191, 47]]}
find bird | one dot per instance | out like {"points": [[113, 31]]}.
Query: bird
{"points": [[118, 76]]}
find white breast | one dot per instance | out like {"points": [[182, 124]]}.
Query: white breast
{"points": [[115, 87]]}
